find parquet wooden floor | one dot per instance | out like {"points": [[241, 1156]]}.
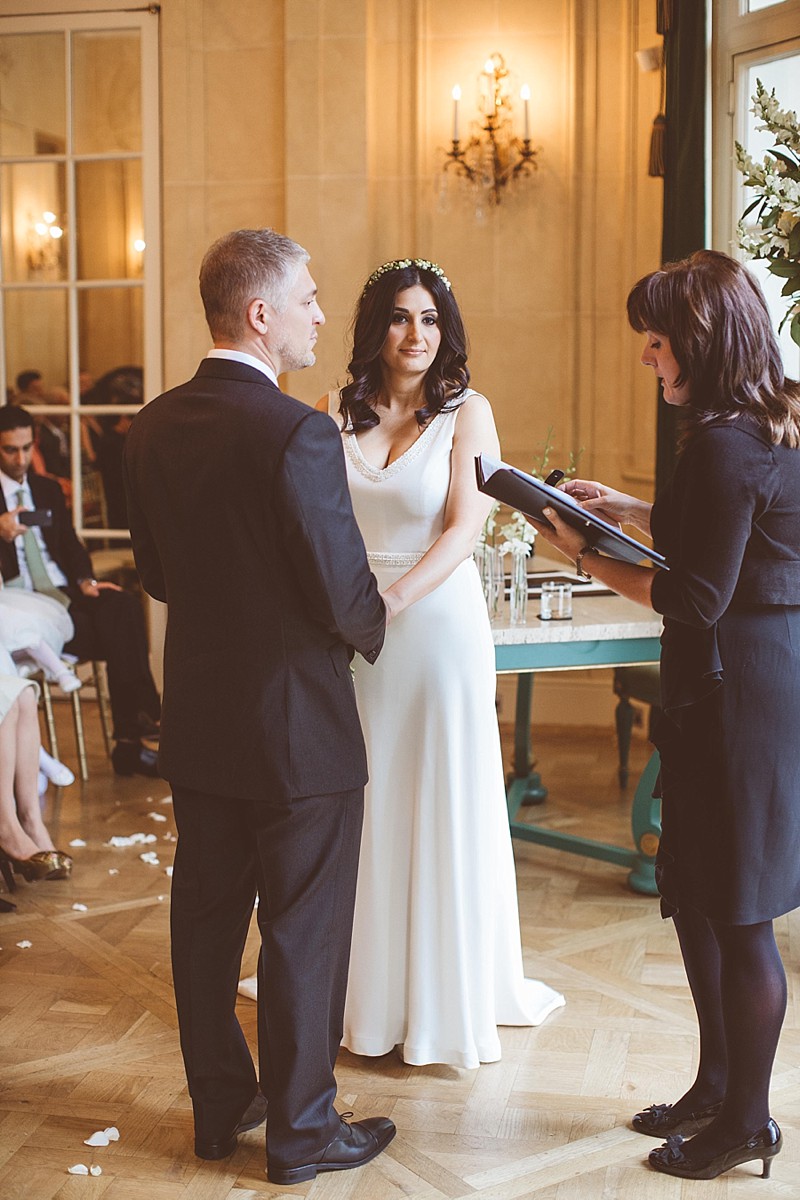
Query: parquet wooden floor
{"points": [[88, 1032]]}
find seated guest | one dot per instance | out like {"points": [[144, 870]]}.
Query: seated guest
{"points": [[26, 847], [109, 623], [34, 628]]}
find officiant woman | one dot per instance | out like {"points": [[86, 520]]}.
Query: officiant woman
{"points": [[729, 526]]}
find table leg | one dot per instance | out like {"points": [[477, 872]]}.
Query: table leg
{"points": [[523, 783], [646, 828]]}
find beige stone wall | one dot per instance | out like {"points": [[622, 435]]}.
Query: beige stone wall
{"points": [[330, 119]]}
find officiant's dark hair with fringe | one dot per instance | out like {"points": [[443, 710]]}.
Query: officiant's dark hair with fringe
{"points": [[447, 376], [720, 331]]}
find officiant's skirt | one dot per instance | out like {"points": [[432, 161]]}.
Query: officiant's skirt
{"points": [[730, 778]]}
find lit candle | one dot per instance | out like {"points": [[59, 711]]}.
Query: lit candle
{"points": [[525, 96], [456, 97], [488, 70]]}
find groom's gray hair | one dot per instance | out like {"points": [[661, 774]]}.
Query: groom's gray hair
{"points": [[242, 266]]}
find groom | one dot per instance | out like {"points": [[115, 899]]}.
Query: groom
{"points": [[241, 521]]}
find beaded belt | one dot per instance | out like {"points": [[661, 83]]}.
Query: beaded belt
{"points": [[379, 558]]}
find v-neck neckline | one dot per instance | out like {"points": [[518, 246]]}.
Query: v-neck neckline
{"points": [[396, 463]]}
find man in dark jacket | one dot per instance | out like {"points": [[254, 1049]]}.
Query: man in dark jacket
{"points": [[241, 521]]}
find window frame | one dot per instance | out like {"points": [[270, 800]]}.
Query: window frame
{"points": [[146, 22]]}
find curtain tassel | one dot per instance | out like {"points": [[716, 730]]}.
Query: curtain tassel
{"points": [[664, 15], [657, 135]]}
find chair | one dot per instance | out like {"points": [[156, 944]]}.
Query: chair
{"points": [[104, 705], [641, 683]]}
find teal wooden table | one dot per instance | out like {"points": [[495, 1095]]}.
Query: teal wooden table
{"points": [[606, 631]]}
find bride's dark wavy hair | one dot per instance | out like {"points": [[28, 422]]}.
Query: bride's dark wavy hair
{"points": [[447, 376], [720, 331]]}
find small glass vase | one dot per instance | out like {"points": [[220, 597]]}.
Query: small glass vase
{"points": [[518, 592], [489, 560]]}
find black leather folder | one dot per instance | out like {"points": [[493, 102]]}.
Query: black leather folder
{"points": [[518, 490]]}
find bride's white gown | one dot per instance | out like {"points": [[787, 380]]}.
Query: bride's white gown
{"points": [[436, 962]]}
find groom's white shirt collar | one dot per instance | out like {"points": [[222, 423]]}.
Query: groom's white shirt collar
{"points": [[248, 359]]}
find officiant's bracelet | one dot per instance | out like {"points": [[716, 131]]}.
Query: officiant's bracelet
{"points": [[579, 561]]}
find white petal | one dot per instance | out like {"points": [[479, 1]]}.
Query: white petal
{"points": [[112, 1133], [97, 1139], [77, 842], [166, 800], [95, 1170], [80, 907], [113, 871], [78, 1169], [154, 816], [25, 945], [168, 871]]}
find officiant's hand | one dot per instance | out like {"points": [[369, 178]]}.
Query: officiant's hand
{"points": [[617, 508], [566, 539]]}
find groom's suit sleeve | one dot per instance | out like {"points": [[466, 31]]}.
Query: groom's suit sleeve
{"points": [[322, 539], [145, 553]]}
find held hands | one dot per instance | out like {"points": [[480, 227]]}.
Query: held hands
{"points": [[393, 606]]}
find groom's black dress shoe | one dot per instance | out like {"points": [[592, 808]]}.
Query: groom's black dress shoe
{"points": [[214, 1148], [353, 1146], [132, 758]]}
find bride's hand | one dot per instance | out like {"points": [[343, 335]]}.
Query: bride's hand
{"points": [[392, 605]]}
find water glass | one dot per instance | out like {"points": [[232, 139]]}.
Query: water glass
{"points": [[556, 601]]}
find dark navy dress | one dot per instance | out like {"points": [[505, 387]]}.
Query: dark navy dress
{"points": [[729, 737]]}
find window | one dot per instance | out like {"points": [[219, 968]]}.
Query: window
{"points": [[753, 40], [79, 249], [781, 73]]}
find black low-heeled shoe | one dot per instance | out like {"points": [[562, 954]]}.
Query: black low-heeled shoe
{"points": [[765, 1144], [659, 1120]]}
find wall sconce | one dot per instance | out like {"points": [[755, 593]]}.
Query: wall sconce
{"points": [[44, 245], [492, 158]]}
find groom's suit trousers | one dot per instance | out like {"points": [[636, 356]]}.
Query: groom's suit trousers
{"points": [[300, 857]]}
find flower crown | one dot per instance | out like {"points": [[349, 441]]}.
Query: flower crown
{"points": [[398, 264]]}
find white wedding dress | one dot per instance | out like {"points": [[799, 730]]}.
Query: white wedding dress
{"points": [[436, 962]]}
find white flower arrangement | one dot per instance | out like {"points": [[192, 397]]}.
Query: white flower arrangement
{"points": [[519, 535], [774, 233]]}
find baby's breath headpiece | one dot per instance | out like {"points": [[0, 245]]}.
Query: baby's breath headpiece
{"points": [[398, 264]]}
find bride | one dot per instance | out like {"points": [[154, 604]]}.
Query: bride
{"points": [[436, 960]]}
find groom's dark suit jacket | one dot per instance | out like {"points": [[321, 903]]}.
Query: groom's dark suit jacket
{"points": [[242, 522]]}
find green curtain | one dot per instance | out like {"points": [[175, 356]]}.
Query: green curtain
{"points": [[683, 23]]}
